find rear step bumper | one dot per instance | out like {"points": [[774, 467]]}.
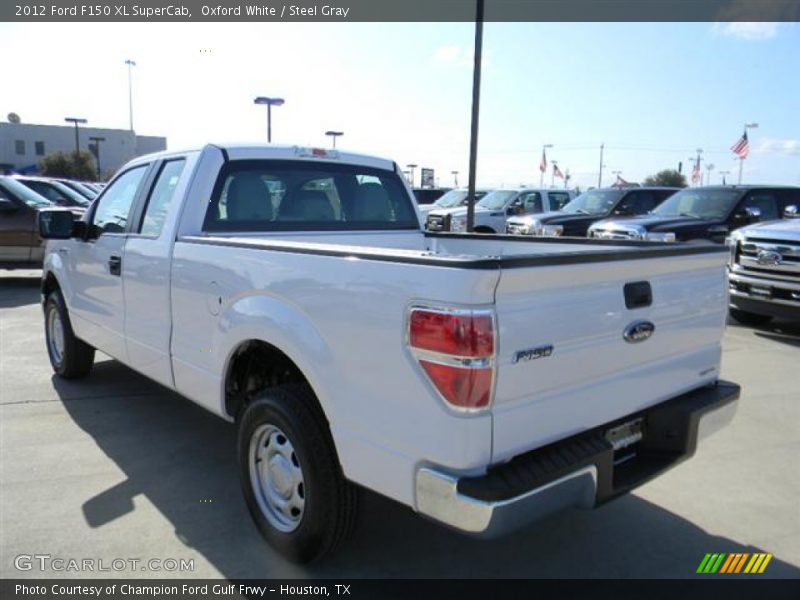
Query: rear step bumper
{"points": [[583, 471]]}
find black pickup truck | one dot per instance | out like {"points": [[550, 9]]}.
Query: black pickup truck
{"points": [[702, 213]]}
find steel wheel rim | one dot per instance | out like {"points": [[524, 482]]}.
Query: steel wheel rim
{"points": [[277, 478], [55, 336]]}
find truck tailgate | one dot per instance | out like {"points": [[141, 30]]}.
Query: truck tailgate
{"points": [[563, 362]]}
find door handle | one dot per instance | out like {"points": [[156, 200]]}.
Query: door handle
{"points": [[115, 265]]}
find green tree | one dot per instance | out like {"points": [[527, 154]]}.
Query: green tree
{"points": [[69, 166], [667, 178]]}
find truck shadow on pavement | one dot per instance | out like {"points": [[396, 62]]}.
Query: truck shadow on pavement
{"points": [[181, 459], [778, 330], [19, 290]]}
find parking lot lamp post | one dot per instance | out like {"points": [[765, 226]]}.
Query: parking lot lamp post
{"points": [[96, 150], [411, 168], [455, 178], [76, 121], [723, 174], [741, 158], [130, 63], [600, 175], [334, 135], [270, 102]]}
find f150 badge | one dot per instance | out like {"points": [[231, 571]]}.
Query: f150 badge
{"points": [[638, 331], [532, 354]]}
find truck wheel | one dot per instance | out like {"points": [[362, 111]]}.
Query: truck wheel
{"points": [[748, 318], [291, 477], [70, 357]]}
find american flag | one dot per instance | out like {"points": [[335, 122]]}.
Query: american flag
{"points": [[742, 147], [696, 172], [543, 162], [557, 172]]}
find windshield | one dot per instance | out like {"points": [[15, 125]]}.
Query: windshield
{"points": [[71, 194], [27, 195], [596, 202], [497, 199], [455, 198], [699, 203]]}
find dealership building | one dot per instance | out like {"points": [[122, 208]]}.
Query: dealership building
{"points": [[23, 145]]}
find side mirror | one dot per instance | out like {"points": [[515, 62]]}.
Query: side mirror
{"points": [[7, 206], [791, 212], [56, 224], [749, 214]]}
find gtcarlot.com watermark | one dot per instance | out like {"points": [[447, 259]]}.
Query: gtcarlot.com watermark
{"points": [[59, 564]]}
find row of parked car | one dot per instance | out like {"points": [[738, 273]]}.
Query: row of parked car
{"points": [[765, 251], [643, 213], [21, 198]]}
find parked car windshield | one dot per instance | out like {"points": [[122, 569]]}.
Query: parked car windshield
{"points": [[596, 202], [27, 195], [455, 198], [497, 199], [699, 203]]}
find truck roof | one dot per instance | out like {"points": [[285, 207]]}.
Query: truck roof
{"points": [[242, 151]]}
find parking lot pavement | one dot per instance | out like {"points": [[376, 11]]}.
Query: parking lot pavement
{"points": [[116, 467]]}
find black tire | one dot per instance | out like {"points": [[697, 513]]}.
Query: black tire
{"points": [[330, 502], [76, 357], [748, 318]]}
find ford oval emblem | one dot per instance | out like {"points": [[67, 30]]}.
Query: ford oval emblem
{"points": [[638, 331], [769, 257]]}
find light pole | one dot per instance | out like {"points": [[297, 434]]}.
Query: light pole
{"points": [[96, 151], [741, 158], [270, 102], [411, 168], [709, 168], [130, 63], [543, 164], [724, 173], [76, 121], [334, 135], [455, 178], [600, 176]]}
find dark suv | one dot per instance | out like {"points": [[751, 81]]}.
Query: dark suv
{"points": [[576, 216], [702, 213]]}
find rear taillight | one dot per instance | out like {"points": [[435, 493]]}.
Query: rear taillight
{"points": [[455, 350]]}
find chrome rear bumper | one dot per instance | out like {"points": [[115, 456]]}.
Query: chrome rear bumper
{"points": [[675, 427]]}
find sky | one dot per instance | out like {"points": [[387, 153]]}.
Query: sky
{"points": [[652, 93]]}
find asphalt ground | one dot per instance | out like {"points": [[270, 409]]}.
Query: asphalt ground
{"points": [[117, 467]]}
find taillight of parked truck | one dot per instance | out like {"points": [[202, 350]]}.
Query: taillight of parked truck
{"points": [[455, 350]]}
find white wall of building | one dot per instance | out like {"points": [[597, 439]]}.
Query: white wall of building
{"points": [[120, 145]]}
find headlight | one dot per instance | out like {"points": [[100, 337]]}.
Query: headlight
{"points": [[553, 230], [458, 223], [516, 229], [659, 237]]}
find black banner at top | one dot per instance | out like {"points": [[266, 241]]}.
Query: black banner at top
{"points": [[397, 10]]}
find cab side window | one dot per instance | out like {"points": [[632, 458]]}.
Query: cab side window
{"points": [[531, 202], [558, 200], [114, 206], [160, 197], [638, 203], [765, 202]]}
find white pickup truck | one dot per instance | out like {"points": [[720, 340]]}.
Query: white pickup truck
{"points": [[483, 382]]}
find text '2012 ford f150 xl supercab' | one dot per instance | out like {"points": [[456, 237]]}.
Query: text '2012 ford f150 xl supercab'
{"points": [[482, 381]]}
